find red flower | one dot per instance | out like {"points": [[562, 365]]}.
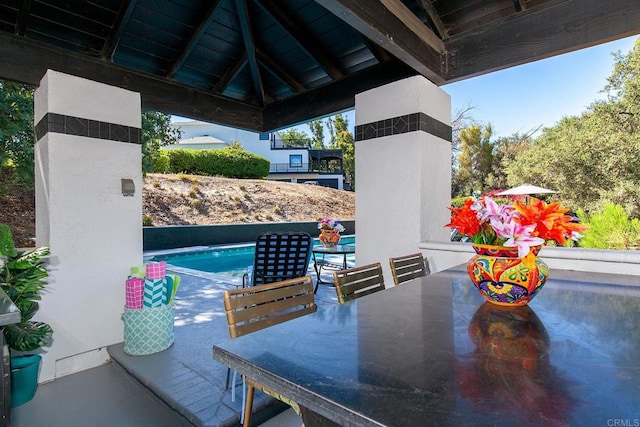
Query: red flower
{"points": [[464, 219]]}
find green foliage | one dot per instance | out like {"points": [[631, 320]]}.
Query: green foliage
{"points": [[17, 136], [161, 162], [295, 138], [23, 278], [229, 162], [346, 144], [610, 228], [475, 160], [317, 134], [592, 159], [157, 132], [147, 221]]}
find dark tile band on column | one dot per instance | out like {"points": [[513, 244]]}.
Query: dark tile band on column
{"points": [[403, 124], [70, 125]]}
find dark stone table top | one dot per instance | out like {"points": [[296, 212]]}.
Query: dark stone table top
{"points": [[432, 352]]}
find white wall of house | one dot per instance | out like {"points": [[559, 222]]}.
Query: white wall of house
{"points": [[94, 232]]}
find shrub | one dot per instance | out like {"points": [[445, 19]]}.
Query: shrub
{"points": [[147, 221], [610, 228], [232, 163], [161, 162]]}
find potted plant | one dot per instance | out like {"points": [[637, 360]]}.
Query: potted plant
{"points": [[23, 277]]}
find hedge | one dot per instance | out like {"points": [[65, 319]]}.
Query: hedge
{"points": [[228, 162]]}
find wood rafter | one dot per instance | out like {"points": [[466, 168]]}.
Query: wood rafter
{"points": [[386, 29], [232, 71], [196, 35], [111, 43], [23, 13], [404, 14], [431, 11], [277, 70], [328, 99], [26, 61], [582, 23], [249, 44], [301, 36]]}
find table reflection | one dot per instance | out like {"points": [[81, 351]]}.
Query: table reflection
{"points": [[510, 367]]}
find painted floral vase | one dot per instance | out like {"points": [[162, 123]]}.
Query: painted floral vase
{"points": [[510, 367], [329, 238], [503, 278]]}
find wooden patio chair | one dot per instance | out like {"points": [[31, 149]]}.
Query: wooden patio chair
{"points": [[357, 282], [279, 256], [407, 267], [254, 308]]}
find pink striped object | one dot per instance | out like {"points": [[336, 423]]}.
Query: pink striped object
{"points": [[134, 293], [156, 270]]}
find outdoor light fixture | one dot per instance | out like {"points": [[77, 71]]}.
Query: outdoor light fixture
{"points": [[128, 187]]}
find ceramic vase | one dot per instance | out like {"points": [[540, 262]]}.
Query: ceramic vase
{"points": [[329, 238], [503, 278]]}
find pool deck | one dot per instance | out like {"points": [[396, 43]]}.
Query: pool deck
{"points": [[184, 379]]}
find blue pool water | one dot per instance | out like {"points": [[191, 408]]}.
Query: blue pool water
{"points": [[227, 260]]}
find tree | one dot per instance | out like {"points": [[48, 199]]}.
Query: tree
{"points": [[17, 136], [317, 134], [156, 133], [593, 159], [295, 138], [475, 159], [505, 150]]}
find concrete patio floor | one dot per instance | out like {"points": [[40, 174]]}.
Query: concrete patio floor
{"points": [[180, 386]]}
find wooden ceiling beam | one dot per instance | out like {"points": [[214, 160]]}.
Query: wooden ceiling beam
{"points": [[23, 13], [432, 13], [26, 61], [277, 70], [557, 27], [332, 98], [196, 35], [230, 74], [301, 36], [250, 47], [407, 42], [113, 39]]}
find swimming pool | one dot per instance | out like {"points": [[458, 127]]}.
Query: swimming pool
{"points": [[226, 260]]}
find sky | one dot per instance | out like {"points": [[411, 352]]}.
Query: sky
{"points": [[540, 93], [519, 99]]}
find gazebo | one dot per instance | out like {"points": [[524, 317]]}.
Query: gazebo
{"points": [[260, 65]]}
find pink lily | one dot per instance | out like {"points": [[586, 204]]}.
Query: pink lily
{"points": [[520, 236]]}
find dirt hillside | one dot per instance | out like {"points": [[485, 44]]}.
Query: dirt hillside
{"points": [[187, 199]]}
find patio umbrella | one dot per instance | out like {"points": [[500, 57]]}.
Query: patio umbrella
{"points": [[525, 189]]}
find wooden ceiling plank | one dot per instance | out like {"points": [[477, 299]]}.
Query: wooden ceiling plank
{"points": [[431, 11], [26, 61], [301, 36], [230, 74], [415, 25], [250, 47], [382, 26], [113, 39], [196, 35], [332, 98], [275, 68], [23, 13], [380, 54], [557, 27]]}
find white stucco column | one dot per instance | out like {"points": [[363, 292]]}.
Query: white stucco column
{"points": [[88, 141], [403, 169]]}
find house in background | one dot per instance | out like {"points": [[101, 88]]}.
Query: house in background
{"points": [[289, 161]]}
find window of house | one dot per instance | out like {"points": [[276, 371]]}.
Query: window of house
{"points": [[295, 160]]}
